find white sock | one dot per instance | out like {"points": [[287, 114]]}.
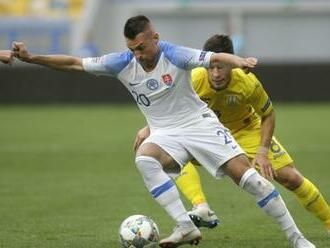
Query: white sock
{"points": [[202, 205], [163, 189], [269, 200]]}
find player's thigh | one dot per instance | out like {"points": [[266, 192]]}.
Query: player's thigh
{"points": [[278, 156], [166, 150], [289, 177], [236, 167], [212, 148], [152, 150]]}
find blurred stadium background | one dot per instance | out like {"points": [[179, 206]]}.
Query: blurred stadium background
{"points": [[67, 175], [290, 38]]}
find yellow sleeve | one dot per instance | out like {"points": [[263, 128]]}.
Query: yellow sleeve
{"points": [[258, 97]]}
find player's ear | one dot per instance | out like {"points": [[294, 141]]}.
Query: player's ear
{"points": [[155, 36]]}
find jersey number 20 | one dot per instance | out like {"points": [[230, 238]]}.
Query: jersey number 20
{"points": [[141, 99]]}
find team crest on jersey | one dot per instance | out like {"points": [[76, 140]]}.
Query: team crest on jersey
{"points": [[232, 100], [152, 84], [167, 79]]}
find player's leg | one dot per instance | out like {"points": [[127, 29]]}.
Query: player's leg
{"points": [[288, 175], [151, 160], [307, 193], [268, 199], [221, 155], [190, 185]]}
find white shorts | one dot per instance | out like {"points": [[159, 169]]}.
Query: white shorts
{"points": [[206, 140]]}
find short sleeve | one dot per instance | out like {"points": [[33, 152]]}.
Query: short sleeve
{"points": [[259, 98], [184, 57], [110, 64]]}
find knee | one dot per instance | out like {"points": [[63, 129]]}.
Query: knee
{"points": [[290, 178], [148, 150], [147, 163], [237, 167], [255, 184]]}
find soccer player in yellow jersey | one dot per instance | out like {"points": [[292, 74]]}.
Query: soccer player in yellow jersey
{"points": [[243, 106]]}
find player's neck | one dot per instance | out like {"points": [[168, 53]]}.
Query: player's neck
{"points": [[150, 66]]}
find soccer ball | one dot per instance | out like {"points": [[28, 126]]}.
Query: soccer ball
{"points": [[138, 231]]}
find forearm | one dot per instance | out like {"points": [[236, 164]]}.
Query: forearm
{"points": [[225, 58], [261, 158], [60, 62], [267, 130], [233, 60]]}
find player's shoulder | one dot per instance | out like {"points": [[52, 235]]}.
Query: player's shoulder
{"points": [[112, 63], [119, 57], [246, 81], [169, 49], [241, 75], [165, 45], [171, 52], [199, 76], [116, 62], [180, 56], [199, 73]]}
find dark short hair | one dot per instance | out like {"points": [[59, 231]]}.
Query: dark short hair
{"points": [[219, 44], [135, 25]]}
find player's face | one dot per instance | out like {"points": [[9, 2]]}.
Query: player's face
{"points": [[145, 48], [219, 75]]}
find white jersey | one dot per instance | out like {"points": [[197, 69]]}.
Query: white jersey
{"points": [[164, 95]]}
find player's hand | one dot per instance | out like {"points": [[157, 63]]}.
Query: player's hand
{"points": [[6, 56], [141, 135], [265, 165], [248, 63], [20, 51]]}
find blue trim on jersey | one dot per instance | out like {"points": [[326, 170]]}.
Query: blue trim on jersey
{"points": [[116, 62], [162, 188], [264, 201], [177, 55], [266, 106]]}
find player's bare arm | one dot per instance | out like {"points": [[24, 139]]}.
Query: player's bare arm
{"points": [[60, 62], [6, 56], [233, 60], [261, 158], [141, 135]]}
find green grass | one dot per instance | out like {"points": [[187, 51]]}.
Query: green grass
{"points": [[67, 179]]}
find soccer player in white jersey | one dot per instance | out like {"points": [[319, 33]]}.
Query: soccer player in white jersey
{"points": [[157, 74]]}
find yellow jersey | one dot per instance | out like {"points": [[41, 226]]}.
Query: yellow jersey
{"points": [[240, 105]]}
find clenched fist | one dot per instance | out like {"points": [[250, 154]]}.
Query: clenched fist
{"points": [[20, 51], [6, 56]]}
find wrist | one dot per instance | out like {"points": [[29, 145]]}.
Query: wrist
{"points": [[30, 58], [263, 150], [26, 58]]}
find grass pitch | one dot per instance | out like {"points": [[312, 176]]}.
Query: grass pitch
{"points": [[68, 179]]}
